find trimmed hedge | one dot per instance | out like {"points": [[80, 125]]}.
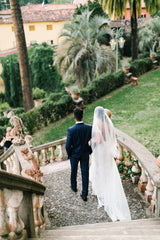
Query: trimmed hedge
{"points": [[60, 104], [138, 67], [102, 85], [46, 113]]}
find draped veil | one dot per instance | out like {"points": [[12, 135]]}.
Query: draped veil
{"points": [[104, 175]]}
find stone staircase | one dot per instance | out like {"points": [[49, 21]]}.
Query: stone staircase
{"points": [[143, 229]]}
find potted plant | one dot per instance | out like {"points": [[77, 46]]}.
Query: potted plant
{"points": [[153, 55], [126, 67], [38, 94], [75, 92]]}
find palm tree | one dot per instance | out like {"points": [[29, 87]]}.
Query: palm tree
{"points": [[117, 8], [80, 53], [22, 55], [149, 36]]}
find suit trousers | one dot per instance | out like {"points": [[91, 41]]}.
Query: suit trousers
{"points": [[84, 164]]}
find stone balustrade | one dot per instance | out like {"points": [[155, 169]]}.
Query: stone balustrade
{"points": [[145, 170], [50, 152], [22, 191], [21, 194]]}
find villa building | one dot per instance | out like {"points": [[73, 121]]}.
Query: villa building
{"points": [[42, 23]]}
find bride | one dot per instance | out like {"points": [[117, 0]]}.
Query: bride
{"points": [[104, 175]]}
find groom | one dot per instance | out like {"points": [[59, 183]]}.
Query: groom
{"points": [[78, 150]]}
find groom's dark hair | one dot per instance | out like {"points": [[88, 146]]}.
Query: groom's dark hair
{"points": [[78, 113]]}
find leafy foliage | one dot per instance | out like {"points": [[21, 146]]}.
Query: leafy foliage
{"points": [[38, 93], [93, 6], [149, 36], [12, 81], [80, 53], [44, 74]]}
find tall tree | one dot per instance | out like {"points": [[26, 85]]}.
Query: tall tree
{"points": [[22, 55], [83, 56], [117, 8]]}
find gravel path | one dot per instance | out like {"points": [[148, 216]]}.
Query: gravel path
{"points": [[66, 208]]}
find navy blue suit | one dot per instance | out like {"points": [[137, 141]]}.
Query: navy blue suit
{"points": [[78, 150]]}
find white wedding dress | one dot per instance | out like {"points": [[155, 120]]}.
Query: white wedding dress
{"points": [[104, 175]]}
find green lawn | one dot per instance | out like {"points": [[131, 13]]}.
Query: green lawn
{"points": [[135, 111]]}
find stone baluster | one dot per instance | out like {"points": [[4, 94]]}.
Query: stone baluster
{"points": [[142, 183], [153, 200], [3, 216], [14, 199], [53, 157], [149, 190], [136, 172], [120, 156], [128, 159], [37, 154], [62, 153], [37, 205], [15, 164], [45, 160], [8, 164]]}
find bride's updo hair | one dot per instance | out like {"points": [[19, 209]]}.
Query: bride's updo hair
{"points": [[100, 113]]}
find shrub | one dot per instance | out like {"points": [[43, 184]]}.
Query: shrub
{"points": [[44, 74], [4, 121], [88, 94], [104, 84], [18, 111], [138, 67], [38, 93], [55, 96], [12, 80], [30, 120], [75, 89], [2, 132]]}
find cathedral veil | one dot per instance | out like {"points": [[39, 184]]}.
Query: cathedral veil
{"points": [[104, 175]]}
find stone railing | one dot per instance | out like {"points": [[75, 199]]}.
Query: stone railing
{"points": [[21, 194], [50, 152], [146, 173]]}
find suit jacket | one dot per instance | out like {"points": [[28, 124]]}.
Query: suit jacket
{"points": [[77, 141]]}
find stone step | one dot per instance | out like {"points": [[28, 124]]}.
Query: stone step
{"points": [[105, 237], [136, 229]]}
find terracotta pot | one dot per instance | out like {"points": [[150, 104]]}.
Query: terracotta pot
{"points": [[126, 70], [75, 95], [153, 58], [38, 102], [67, 89], [158, 161]]}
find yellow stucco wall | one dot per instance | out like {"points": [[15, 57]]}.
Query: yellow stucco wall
{"points": [[41, 34]]}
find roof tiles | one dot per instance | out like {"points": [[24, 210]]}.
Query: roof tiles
{"points": [[42, 13]]}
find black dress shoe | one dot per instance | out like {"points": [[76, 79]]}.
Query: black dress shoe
{"points": [[74, 189], [84, 198]]}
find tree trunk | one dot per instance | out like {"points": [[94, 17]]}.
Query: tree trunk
{"points": [[134, 37], [22, 55]]}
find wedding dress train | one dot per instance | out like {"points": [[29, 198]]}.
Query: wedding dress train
{"points": [[104, 175]]}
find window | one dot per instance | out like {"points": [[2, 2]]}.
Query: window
{"points": [[31, 28], [49, 27], [50, 42], [143, 15]]}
